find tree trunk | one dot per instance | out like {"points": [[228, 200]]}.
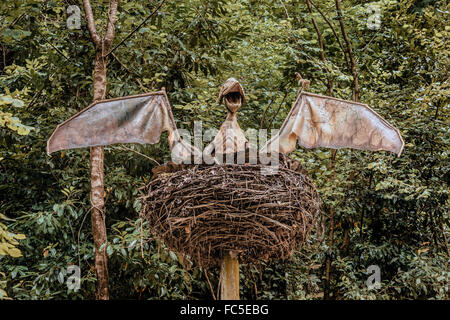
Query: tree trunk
{"points": [[229, 277], [328, 262], [102, 46], [97, 190]]}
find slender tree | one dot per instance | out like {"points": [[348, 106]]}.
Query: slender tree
{"points": [[102, 46], [322, 49], [350, 53]]}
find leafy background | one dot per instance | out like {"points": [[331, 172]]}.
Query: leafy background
{"points": [[383, 210]]}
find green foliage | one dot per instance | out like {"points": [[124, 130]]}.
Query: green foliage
{"points": [[388, 211], [9, 241]]}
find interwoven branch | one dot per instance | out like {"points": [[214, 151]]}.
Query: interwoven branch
{"points": [[204, 211]]}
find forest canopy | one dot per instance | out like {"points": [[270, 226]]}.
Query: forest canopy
{"points": [[377, 208]]}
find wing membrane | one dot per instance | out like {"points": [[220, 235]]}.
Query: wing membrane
{"points": [[134, 119], [320, 121]]}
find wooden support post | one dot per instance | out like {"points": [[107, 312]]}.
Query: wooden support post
{"points": [[229, 277]]}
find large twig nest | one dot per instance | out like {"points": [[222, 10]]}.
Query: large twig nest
{"points": [[204, 211]]}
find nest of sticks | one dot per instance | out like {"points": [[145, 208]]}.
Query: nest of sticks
{"points": [[205, 211]]}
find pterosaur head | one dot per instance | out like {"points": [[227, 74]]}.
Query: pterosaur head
{"points": [[233, 93]]}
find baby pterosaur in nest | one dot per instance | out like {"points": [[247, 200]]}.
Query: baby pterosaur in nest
{"points": [[314, 121]]}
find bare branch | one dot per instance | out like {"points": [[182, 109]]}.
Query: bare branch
{"points": [[112, 18], [133, 74], [137, 152], [264, 114], [349, 51], [285, 10], [209, 284], [53, 46], [329, 83], [137, 28], [319, 34], [334, 32], [278, 109], [13, 22], [91, 22]]}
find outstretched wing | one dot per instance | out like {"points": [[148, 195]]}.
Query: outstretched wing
{"points": [[320, 121], [133, 119]]}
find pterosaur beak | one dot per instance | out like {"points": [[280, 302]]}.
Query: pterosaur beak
{"points": [[233, 93]]}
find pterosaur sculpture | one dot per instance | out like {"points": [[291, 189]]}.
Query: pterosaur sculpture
{"points": [[226, 212], [314, 121]]}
